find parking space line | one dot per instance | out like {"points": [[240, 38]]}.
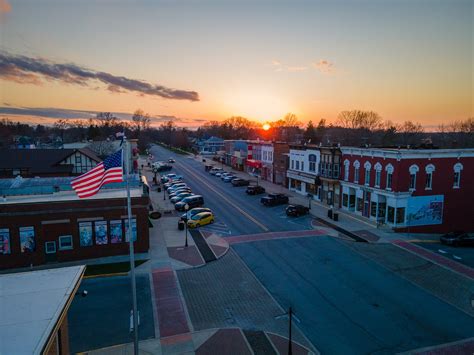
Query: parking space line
{"points": [[262, 226]]}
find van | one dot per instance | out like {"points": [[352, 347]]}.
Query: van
{"points": [[191, 201]]}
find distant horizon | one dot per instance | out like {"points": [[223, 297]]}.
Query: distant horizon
{"points": [[405, 60]]}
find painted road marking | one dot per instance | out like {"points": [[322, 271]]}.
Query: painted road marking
{"points": [[442, 251], [262, 226], [457, 257]]}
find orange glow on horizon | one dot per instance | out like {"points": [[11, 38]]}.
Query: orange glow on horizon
{"points": [[266, 127]]}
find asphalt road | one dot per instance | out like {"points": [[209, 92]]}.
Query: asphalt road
{"points": [[236, 212], [103, 317], [348, 304], [463, 255]]}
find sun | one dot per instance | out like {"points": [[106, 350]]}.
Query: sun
{"points": [[266, 127]]}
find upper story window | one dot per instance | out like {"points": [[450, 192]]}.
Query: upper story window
{"points": [[378, 174], [389, 169], [292, 164], [429, 176], [457, 175], [335, 172], [312, 162], [302, 165], [356, 171], [346, 170], [297, 165], [367, 167], [413, 170]]}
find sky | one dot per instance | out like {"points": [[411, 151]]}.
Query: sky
{"points": [[193, 61]]}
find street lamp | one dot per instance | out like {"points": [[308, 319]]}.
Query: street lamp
{"points": [[164, 192], [186, 208], [290, 321], [310, 197]]}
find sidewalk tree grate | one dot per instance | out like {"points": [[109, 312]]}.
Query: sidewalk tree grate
{"points": [[205, 250], [259, 342]]}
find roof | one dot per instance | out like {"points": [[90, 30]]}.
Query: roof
{"points": [[40, 160], [32, 303], [214, 139]]}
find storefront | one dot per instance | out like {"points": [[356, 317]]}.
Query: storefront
{"points": [[302, 183]]}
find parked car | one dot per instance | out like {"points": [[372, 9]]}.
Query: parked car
{"points": [[200, 219], [274, 199], [176, 187], [218, 174], [240, 182], [192, 212], [180, 196], [296, 210], [214, 171], [255, 190], [458, 239], [159, 167], [172, 182], [171, 177], [191, 201], [224, 174], [228, 178], [171, 160], [179, 191]]}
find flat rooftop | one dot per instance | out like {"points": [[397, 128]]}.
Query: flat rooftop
{"points": [[31, 304]]}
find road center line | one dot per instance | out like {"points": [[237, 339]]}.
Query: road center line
{"points": [[262, 226]]}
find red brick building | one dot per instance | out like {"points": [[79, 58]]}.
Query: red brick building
{"points": [[47, 228], [409, 189]]}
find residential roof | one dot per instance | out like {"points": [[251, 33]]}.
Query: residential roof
{"points": [[31, 304], [40, 160]]}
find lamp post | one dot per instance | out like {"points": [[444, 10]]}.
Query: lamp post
{"points": [[310, 197], [290, 323], [186, 208], [164, 192]]}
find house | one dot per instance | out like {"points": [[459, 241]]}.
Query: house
{"points": [[46, 162], [303, 170], [417, 190], [211, 146], [43, 221]]}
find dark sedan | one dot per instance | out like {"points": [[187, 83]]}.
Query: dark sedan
{"points": [[255, 190], [296, 210], [458, 239], [240, 182]]}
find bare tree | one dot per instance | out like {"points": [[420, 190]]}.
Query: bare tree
{"points": [[357, 119], [106, 119], [411, 132], [141, 121]]}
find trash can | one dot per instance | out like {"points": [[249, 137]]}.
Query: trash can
{"points": [[335, 217], [204, 160], [330, 213], [159, 189], [181, 225]]}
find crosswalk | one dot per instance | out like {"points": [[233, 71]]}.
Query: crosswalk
{"points": [[216, 227]]}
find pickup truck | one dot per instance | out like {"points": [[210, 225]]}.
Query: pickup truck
{"points": [[274, 199]]}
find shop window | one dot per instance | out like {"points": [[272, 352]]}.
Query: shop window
{"points": [[400, 215], [134, 230], [345, 200], [373, 209], [5, 241], [311, 189], [85, 234], [116, 231], [50, 247], [352, 202], [360, 204], [382, 207], [65, 242], [27, 239], [101, 237], [390, 214]]}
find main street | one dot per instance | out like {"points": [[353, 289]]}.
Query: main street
{"points": [[351, 297], [233, 208]]}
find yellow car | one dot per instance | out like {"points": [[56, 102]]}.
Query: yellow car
{"points": [[201, 219]]}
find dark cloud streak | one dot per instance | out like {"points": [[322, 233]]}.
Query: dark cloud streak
{"points": [[23, 69]]}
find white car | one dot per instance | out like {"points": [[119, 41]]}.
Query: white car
{"points": [[215, 171]]}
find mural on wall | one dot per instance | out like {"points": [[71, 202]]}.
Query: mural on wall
{"points": [[425, 210]]}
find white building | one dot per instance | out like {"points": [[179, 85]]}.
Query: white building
{"points": [[303, 170], [267, 162]]}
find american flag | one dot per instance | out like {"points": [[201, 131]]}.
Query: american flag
{"points": [[110, 170]]}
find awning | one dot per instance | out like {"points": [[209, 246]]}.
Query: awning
{"points": [[254, 163]]}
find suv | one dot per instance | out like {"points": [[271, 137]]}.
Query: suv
{"points": [[296, 210], [255, 190], [274, 199], [192, 201], [458, 239], [240, 182]]}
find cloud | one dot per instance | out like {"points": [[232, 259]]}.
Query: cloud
{"points": [[22, 69], [278, 66], [296, 69], [5, 7], [325, 66]]}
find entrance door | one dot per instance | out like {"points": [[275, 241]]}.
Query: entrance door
{"points": [[50, 252], [366, 210]]}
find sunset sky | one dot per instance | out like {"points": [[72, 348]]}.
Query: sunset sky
{"points": [[201, 60]]}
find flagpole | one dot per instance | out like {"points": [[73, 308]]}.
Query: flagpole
{"points": [[130, 240]]}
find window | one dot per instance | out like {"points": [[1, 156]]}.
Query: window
{"points": [[50, 247], [389, 181], [302, 165], [367, 176], [429, 176], [312, 162], [292, 164], [78, 159], [65, 242], [345, 200], [457, 175], [373, 209], [390, 214], [413, 170], [360, 204], [401, 215], [346, 170], [101, 237], [356, 175], [378, 174], [116, 231], [336, 171], [85, 234], [27, 239], [297, 165], [5, 241]]}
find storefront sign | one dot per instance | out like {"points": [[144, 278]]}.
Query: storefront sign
{"points": [[296, 176]]}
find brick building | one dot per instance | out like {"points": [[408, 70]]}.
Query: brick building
{"points": [[51, 224], [410, 189]]}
